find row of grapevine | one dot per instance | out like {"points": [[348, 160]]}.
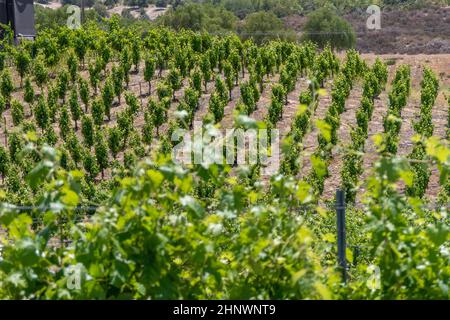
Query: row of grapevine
{"points": [[300, 126], [424, 128], [325, 65], [327, 138], [374, 83], [401, 87], [300, 60]]}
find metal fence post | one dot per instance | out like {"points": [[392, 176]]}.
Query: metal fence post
{"points": [[5, 131], [140, 96], [341, 242], [82, 12]]}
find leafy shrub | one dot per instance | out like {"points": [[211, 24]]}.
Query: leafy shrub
{"points": [[324, 27]]}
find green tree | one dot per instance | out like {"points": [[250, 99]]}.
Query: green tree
{"points": [[324, 26], [264, 26], [199, 17]]}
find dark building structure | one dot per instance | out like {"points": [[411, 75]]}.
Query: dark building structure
{"points": [[19, 14]]}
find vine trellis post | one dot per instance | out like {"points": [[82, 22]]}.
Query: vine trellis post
{"points": [[341, 233]]}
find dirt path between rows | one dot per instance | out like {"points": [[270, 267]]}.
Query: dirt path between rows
{"points": [[310, 142], [347, 122], [228, 119], [291, 108], [375, 127]]}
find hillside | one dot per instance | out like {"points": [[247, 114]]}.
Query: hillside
{"points": [[412, 31]]}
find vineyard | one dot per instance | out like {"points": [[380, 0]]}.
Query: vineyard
{"points": [[89, 186]]}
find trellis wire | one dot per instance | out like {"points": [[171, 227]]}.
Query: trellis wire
{"points": [[311, 206], [339, 206]]}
